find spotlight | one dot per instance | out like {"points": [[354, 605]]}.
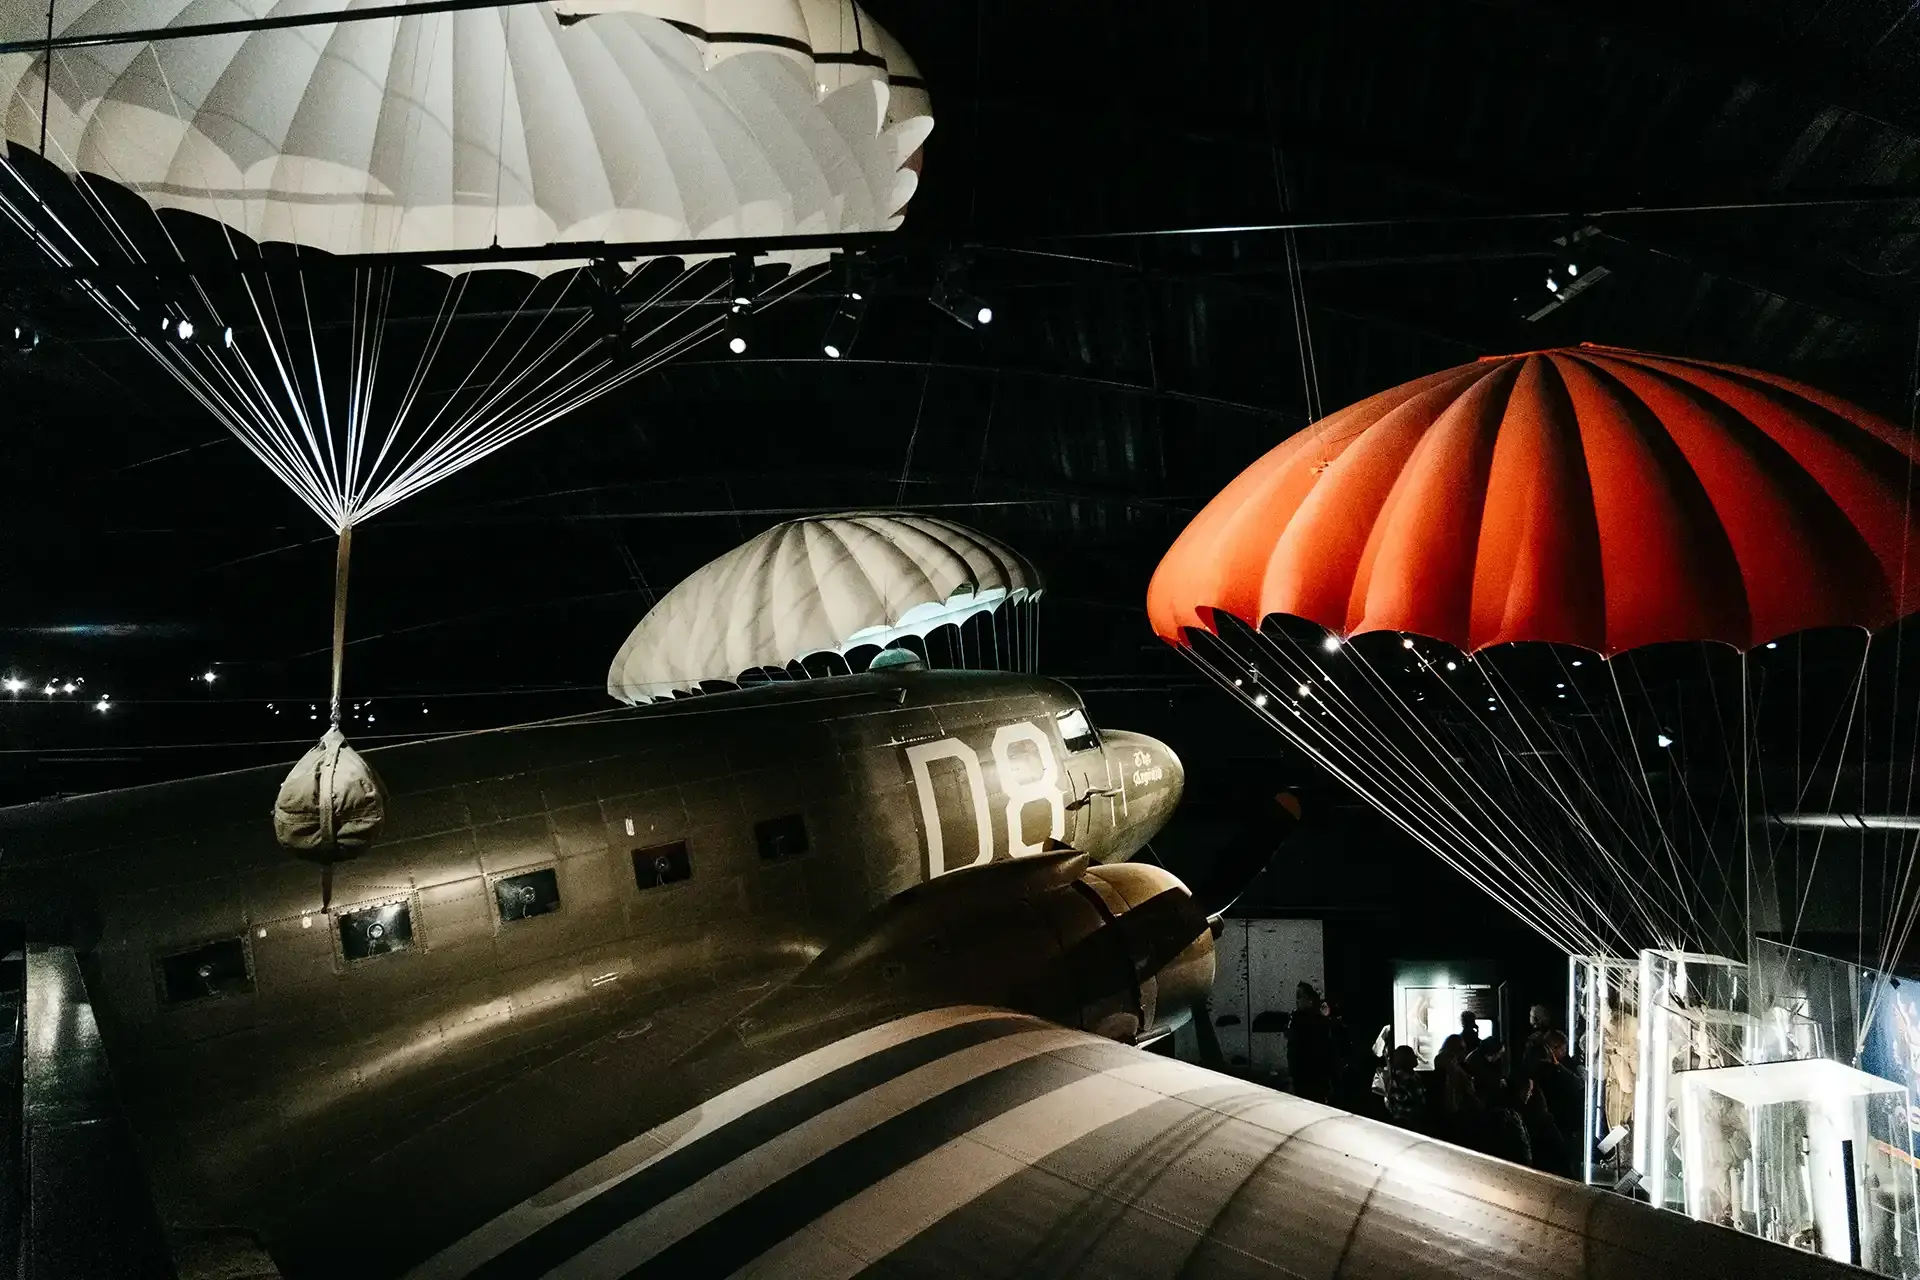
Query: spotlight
{"points": [[740, 267], [1406, 642], [226, 337], [23, 336], [183, 329], [49, 691], [950, 295], [1553, 286], [1331, 644], [1453, 666], [14, 684], [1573, 269], [1303, 690], [1662, 740], [842, 329], [1773, 644], [1259, 699], [67, 687], [101, 706], [737, 326], [208, 675]]}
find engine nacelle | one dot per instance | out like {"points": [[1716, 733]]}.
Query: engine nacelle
{"points": [[1170, 987], [1120, 950]]}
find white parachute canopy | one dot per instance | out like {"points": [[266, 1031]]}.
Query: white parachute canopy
{"points": [[521, 126], [822, 585], [590, 121]]}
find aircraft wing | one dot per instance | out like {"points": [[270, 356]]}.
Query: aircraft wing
{"points": [[971, 1141]]}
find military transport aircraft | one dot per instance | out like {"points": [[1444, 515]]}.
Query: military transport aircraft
{"points": [[815, 979]]}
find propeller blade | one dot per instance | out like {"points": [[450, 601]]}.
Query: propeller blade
{"points": [[1240, 864]]}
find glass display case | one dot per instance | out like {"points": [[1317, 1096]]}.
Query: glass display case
{"points": [[1603, 1020], [1428, 1001], [1810, 1153], [1693, 1016]]}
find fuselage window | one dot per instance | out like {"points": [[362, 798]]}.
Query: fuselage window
{"points": [[781, 838], [530, 894], [376, 931], [213, 969], [1076, 733], [662, 864]]}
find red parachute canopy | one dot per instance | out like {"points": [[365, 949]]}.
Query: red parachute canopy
{"points": [[1587, 495]]}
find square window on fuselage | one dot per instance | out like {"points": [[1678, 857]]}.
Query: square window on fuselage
{"points": [[662, 864], [376, 931], [202, 972], [781, 838], [529, 894]]}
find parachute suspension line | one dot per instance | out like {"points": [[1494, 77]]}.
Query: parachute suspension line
{"points": [[1478, 844], [1433, 819], [1662, 921], [1746, 804], [1833, 792], [1677, 878], [341, 559]]}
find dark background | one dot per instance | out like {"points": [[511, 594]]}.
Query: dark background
{"points": [[1124, 381]]}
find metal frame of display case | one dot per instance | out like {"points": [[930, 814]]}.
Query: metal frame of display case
{"points": [[1693, 1016], [1603, 1013]]}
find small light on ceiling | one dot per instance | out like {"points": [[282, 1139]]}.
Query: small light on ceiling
{"points": [[101, 706], [67, 687], [1238, 683], [1331, 644], [984, 314], [1576, 662], [49, 691], [1304, 690], [1406, 642], [1573, 269], [1560, 684], [1553, 286], [1773, 644], [1662, 740], [15, 684], [208, 675], [183, 329], [1453, 666], [1259, 699]]}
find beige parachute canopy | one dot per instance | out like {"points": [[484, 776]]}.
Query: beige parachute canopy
{"points": [[618, 120], [821, 585]]}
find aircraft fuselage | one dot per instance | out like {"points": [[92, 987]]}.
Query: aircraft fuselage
{"points": [[650, 869]]}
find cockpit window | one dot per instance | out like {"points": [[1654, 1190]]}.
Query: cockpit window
{"points": [[1076, 732], [376, 931]]}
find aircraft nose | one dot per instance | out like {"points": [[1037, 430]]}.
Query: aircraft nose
{"points": [[1150, 781]]}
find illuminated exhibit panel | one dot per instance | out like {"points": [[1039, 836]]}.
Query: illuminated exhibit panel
{"points": [[1693, 1017], [1603, 1017], [1811, 1154], [1428, 1000]]}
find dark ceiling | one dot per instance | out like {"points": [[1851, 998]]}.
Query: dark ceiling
{"points": [[1125, 379]]}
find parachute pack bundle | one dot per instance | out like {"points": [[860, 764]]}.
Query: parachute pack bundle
{"points": [[331, 803], [330, 806]]}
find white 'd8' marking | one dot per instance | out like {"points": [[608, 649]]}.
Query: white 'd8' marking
{"points": [[1043, 788], [1021, 794]]}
